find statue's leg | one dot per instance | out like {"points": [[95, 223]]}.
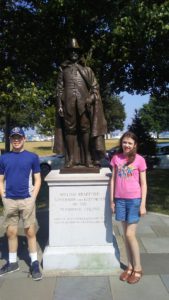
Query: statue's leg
{"points": [[70, 141], [70, 135], [86, 141], [85, 130]]}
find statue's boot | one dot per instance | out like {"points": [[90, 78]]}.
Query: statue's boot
{"points": [[88, 161], [97, 163], [89, 164], [69, 164]]}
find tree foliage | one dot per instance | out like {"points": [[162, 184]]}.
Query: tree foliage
{"points": [[114, 113], [155, 114], [125, 43], [18, 102], [20, 105], [147, 145]]}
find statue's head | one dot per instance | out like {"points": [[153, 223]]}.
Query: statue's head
{"points": [[73, 50]]}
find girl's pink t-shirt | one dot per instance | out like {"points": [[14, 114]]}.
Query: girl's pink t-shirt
{"points": [[127, 178]]}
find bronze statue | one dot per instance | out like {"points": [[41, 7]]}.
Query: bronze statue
{"points": [[80, 122]]}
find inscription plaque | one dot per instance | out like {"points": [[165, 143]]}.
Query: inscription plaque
{"points": [[79, 213]]}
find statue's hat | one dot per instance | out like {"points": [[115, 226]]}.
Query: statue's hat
{"points": [[73, 44]]}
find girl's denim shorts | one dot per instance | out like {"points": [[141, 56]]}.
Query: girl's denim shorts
{"points": [[127, 210]]}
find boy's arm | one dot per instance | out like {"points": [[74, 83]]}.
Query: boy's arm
{"points": [[37, 184]]}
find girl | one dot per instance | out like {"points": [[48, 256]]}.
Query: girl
{"points": [[128, 191]]}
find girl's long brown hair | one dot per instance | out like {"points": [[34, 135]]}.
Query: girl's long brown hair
{"points": [[131, 156]]}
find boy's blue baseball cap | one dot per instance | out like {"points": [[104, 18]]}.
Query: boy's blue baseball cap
{"points": [[17, 130]]}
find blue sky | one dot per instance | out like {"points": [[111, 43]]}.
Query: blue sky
{"points": [[132, 102]]}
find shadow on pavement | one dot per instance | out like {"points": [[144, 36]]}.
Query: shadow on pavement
{"points": [[43, 231], [22, 248]]}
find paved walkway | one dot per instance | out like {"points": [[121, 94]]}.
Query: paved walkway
{"points": [[153, 234]]}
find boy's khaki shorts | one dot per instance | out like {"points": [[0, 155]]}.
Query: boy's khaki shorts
{"points": [[14, 210]]}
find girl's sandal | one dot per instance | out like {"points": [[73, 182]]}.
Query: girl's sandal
{"points": [[135, 277], [126, 274]]}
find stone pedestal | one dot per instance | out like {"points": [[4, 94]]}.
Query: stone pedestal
{"points": [[81, 239]]}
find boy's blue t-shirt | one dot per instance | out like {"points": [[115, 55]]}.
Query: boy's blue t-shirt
{"points": [[18, 167]]}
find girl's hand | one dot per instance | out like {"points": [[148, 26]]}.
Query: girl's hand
{"points": [[112, 205], [142, 210]]}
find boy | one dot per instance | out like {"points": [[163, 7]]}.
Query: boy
{"points": [[18, 197]]}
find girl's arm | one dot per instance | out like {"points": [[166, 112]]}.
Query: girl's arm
{"points": [[112, 184], [143, 183]]}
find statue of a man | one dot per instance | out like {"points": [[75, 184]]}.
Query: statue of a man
{"points": [[81, 124]]}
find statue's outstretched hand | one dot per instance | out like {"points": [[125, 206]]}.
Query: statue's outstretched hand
{"points": [[61, 114], [89, 100]]}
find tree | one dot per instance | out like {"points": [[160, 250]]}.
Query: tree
{"points": [[155, 114], [19, 105], [138, 47], [125, 42], [114, 113], [147, 145], [46, 124]]}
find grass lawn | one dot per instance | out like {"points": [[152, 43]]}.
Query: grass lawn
{"points": [[158, 192], [45, 148], [41, 148]]}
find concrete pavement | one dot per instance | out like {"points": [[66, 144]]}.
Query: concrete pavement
{"points": [[153, 235]]}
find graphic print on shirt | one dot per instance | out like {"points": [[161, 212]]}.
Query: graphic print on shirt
{"points": [[125, 170]]}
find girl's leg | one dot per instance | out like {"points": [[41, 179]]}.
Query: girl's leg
{"points": [[127, 245], [132, 243], [127, 273]]}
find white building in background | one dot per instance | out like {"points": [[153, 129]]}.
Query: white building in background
{"points": [[153, 135], [164, 135], [116, 134]]}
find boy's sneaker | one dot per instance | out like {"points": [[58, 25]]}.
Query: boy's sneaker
{"points": [[9, 268], [35, 271]]}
